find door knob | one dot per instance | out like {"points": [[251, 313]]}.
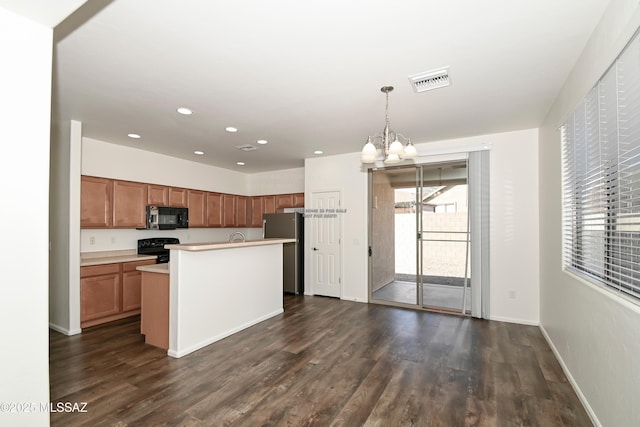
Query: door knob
{"points": [[315, 249]]}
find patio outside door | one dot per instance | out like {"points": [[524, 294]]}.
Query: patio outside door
{"points": [[420, 238]]}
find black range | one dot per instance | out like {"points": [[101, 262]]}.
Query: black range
{"points": [[155, 246]]}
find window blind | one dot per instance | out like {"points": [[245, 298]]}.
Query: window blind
{"points": [[601, 179]]}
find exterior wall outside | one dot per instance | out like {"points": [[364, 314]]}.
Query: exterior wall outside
{"points": [[439, 258], [595, 334], [383, 232]]}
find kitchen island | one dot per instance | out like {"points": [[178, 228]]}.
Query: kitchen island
{"points": [[218, 289]]}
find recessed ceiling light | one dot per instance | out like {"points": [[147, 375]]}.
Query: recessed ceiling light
{"points": [[133, 135], [185, 111], [240, 163], [231, 129], [198, 152], [262, 141], [318, 152]]}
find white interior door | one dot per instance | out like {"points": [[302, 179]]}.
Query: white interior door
{"points": [[325, 244]]}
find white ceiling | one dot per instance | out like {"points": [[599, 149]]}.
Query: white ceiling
{"points": [[306, 75], [46, 12]]}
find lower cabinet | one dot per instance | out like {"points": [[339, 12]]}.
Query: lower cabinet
{"points": [[109, 292]]}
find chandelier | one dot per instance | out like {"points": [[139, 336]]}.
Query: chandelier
{"points": [[388, 141]]}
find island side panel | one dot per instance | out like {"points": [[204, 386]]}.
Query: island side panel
{"points": [[216, 293], [154, 319]]}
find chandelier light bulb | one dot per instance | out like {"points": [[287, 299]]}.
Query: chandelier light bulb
{"points": [[369, 152], [396, 148], [410, 151]]}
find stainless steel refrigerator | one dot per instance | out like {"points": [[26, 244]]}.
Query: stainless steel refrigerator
{"points": [[291, 226]]}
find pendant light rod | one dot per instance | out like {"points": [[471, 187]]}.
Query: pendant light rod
{"points": [[388, 142]]}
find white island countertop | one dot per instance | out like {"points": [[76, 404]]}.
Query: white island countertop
{"points": [[195, 247]]}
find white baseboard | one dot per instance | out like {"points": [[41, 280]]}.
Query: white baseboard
{"points": [[64, 331], [572, 381], [354, 299], [514, 320]]}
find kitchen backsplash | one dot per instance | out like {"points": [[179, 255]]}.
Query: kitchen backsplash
{"points": [[97, 240]]}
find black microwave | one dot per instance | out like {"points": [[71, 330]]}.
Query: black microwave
{"points": [[167, 218]]}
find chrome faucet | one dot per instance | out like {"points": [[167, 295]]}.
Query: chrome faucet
{"points": [[234, 234]]}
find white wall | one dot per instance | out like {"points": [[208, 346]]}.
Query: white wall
{"points": [[119, 162], [595, 334], [514, 253], [276, 182], [514, 218], [513, 211], [25, 88], [343, 173], [64, 223]]}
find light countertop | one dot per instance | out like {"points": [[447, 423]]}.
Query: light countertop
{"points": [[112, 257], [155, 268], [226, 245]]}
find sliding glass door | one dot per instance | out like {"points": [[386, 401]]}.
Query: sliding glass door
{"points": [[443, 238], [421, 239]]}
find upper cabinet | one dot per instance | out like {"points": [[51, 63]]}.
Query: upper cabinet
{"points": [[129, 207], [95, 202], [242, 211], [229, 202], [214, 210], [298, 200], [256, 212], [157, 195], [178, 197], [197, 204], [268, 204], [284, 201], [111, 203]]}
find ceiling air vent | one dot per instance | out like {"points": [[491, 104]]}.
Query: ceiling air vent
{"points": [[430, 80], [246, 147]]}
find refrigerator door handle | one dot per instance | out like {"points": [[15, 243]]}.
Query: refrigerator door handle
{"points": [[264, 226]]}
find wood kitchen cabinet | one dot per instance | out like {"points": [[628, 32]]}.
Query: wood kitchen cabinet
{"points": [[242, 211], [99, 293], [110, 292], [229, 205], [178, 197], [197, 204], [284, 201], [131, 282], [109, 203], [268, 204], [157, 195], [214, 210], [298, 200], [259, 205], [95, 202], [256, 211], [129, 204]]}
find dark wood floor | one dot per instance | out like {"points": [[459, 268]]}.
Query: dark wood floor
{"points": [[324, 362]]}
